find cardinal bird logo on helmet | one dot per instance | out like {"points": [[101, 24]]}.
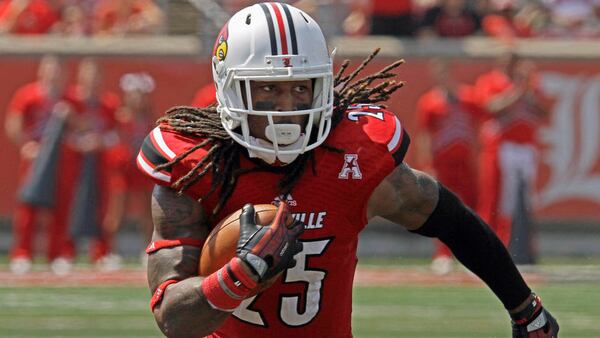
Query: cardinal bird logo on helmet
{"points": [[220, 50]]}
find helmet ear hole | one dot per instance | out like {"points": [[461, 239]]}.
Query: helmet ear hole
{"points": [[249, 19]]}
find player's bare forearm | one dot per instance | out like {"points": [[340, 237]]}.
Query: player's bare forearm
{"points": [[183, 311], [406, 197], [13, 126], [503, 101], [538, 107]]}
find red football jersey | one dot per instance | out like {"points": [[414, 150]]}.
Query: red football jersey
{"points": [[315, 297], [35, 105], [451, 121], [521, 122]]}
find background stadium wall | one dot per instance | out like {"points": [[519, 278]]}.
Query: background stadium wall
{"points": [[569, 175]]}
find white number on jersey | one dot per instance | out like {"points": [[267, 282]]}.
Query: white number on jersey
{"points": [[289, 304], [354, 115]]}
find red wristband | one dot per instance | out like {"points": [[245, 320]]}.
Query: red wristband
{"points": [[529, 313], [169, 243], [226, 288]]}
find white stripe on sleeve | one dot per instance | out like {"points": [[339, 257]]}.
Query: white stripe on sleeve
{"points": [[397, 133], [157, 134], [148, 169]]}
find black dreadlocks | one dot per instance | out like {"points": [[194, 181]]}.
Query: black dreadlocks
{"points": [[223, 157]]}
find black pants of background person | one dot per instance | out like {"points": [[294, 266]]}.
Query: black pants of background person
{"points": [[402, 25]]}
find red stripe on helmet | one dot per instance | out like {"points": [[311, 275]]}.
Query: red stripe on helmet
{"points": [[284, 48]]}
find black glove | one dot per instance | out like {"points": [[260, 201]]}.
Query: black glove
{"points": [[534, 322], [268, 250]]}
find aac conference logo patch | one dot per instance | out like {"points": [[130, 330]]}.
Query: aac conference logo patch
{"points": [[221, 43]]}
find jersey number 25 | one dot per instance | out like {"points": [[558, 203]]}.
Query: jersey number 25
{"points": [[289, 304]]}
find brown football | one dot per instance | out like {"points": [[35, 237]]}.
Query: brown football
{"points": [[221, 243]]}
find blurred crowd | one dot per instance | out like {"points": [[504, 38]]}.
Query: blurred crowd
{"points": [[77, 146], [459, 18], [480, 140], [80, 17], [505, 19]]}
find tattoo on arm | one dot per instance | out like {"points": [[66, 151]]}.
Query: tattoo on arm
{"points": [[176, 215], [406, 197], [183, 312]]}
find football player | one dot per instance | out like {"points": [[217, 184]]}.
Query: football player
{"points": [[509, 151], [281, 132], [447, 116]]}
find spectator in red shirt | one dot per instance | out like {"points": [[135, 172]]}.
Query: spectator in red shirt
{"points": [[392, 18], [448, 119], [29, 16], [135, 117], [508, 158], [34, 120], [506, 23], [93, 135], [127, 17], [386, 17], [451, 19], [74, 21]]}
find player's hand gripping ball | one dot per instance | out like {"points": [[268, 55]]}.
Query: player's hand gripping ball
{"points": [[264, 236]]}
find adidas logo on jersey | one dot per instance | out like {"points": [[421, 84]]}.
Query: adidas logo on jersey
{"points": [[350, 168], [288, 199], [311, 220]]}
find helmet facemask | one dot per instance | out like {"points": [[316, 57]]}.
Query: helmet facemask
{"points": [[283, 141]]}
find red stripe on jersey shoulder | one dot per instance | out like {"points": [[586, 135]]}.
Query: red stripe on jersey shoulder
{"points": [[380, 126]]}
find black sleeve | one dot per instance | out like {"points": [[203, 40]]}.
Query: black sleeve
{"points": [[477, 247]]}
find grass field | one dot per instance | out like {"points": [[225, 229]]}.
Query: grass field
{"points": [[452, 310], [461, 312], [401, 311]]}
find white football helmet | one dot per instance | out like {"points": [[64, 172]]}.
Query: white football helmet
{"points": [[273, 42]]}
